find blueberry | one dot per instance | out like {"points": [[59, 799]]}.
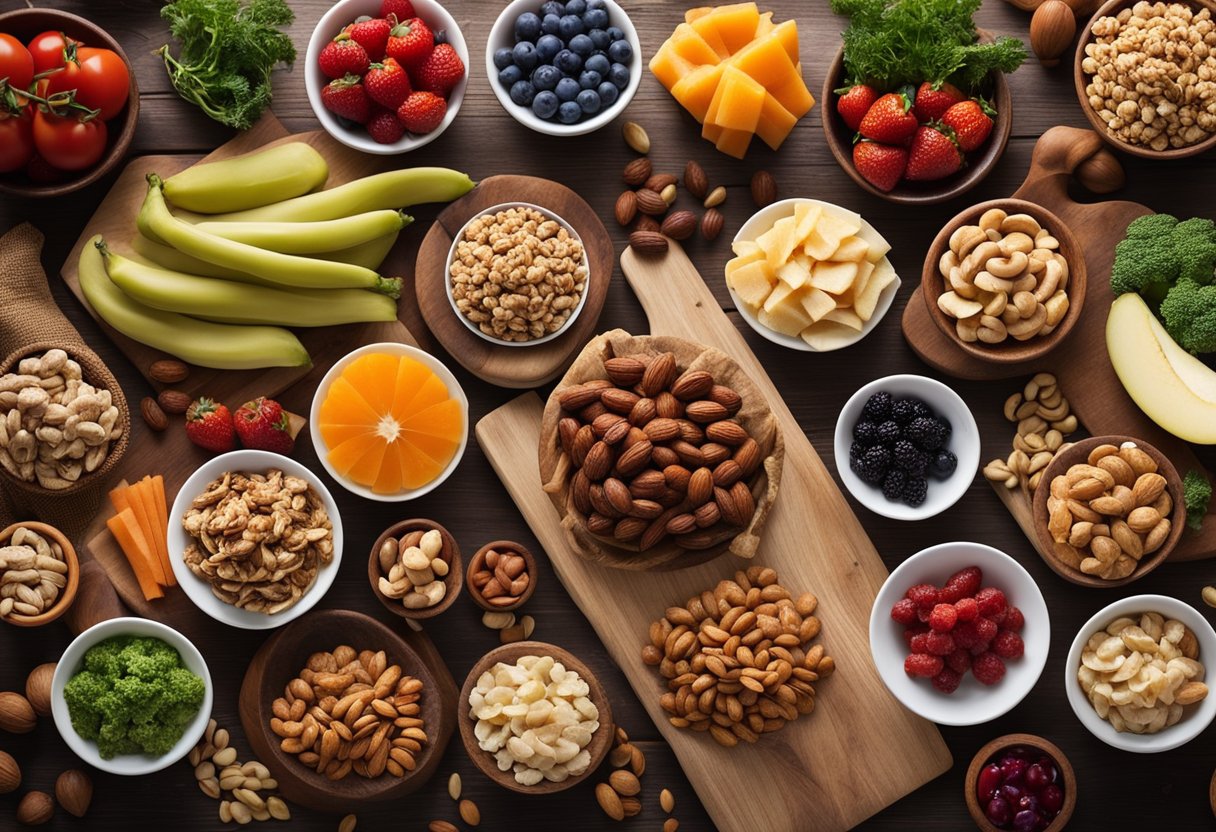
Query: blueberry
{"points": [[615, 33], [527, 26], [576, 6], [589, 100], [545, 104], [581, 45], [567, 89], [598, 63], [548, 46], [504, 57], [608, 93], [551, 24], [596, 4], [596, 19], [526, 57], [545, 77], [571, 25], [619, 76], [552, 7], [568, 62], [589, 80], [569, 113], [441, 36], [510, 75], [522, 93], [620, 52], [600, 38]]}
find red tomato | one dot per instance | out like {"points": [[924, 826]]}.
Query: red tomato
{"points": [[67, 142], [16, 141], [100, 78], [47, 50], [16, 63]]}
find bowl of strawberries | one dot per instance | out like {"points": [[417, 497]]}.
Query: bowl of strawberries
{"points": [[386, 76]]}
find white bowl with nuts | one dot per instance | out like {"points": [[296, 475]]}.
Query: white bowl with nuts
{"points": [[282, 510], [517, 275], [1135, 674]]}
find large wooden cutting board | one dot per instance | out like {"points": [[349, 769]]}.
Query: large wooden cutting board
{"points": [[1080, 362], [827, 772]]}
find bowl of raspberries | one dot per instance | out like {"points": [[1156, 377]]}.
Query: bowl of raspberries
{"points": [[907, 447], [960, 633], [386, 76]]}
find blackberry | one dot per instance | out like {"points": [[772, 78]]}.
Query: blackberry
{"points": [[943, 464], [916, 489], [903, 411], [925, 432], [856, 452], [921, 409], [889, 432], [873, 466], [878, 406], [947, 428], [893, 484], [909, 458], [865, 432]]}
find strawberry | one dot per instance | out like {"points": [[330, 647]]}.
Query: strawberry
{"points": [[410, 42], [422, 112], [439, 71], [971, 122], [346, 97], [882, 165], [263, 426], [932, 100], [343, 56], [209, 425], [400, 9], [888, 120], [384, 127], [933, 155], [853, 103], [372, 34], [387, 84]]}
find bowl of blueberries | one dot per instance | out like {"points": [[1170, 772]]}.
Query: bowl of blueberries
{"points": [[564, 69]]}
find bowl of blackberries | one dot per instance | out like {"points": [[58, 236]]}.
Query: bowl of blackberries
{"points": [[564, 68], [907, 447]]}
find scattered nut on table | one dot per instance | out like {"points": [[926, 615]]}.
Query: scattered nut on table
{"points": [[1042, 415], [33, 573]]}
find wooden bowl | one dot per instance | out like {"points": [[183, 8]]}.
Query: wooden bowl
{"points": [[484, 760], [25, 24], [1212, 793], [1068, 778], [68, 594], [281, 658], [478, 560], [1079, 453], [1009, 351], [453, 580], [1081, 80], [979, 164]]}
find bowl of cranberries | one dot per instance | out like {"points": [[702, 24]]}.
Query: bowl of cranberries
{"points": [[959, 633], [1020, 782]]}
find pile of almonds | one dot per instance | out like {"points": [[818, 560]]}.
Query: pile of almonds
{"points": [[236, 785], [500, 576], [1044, 423], [619, 797]]}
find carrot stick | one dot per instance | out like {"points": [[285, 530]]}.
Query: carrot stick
{"points": [[162, 512], [140, 510], [130, 539]]}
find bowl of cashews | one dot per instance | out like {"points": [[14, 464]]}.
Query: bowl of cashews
{"points": [[1005, 281]]}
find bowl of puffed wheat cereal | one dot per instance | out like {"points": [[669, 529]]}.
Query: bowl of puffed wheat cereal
{"points": [[517, 275]]}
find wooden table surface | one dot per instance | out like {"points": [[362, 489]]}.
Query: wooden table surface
{"points": [[1116, 789]]}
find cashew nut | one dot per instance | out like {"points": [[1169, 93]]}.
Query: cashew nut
{"points": [[1029, 327], [958, 307], [1017, 242], [1050, 282], [1057, 308], [1044, 239], [990, 283], [992, 330], [1025, 303], [962, 287], [1008, 267], [992, 219], [975, 261], [1025, 283], [965, 238], [967, 329], [1020, 222], [949, 260], [996, 305]]}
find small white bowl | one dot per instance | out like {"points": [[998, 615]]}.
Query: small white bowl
{"points": [[472, 327], [70, 664], [198, 590], [436, 366], [1195, 719], [973, 702], [331, 23], [762, 221], [964, 443], [502, 34]]}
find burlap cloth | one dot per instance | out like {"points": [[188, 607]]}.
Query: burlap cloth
{"points": [[31, 322]]}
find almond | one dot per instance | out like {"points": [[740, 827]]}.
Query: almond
{"points": [[745, 504], [713, 453], [650, 202], [583, 440], [705, 411], [580, 492], [634, 459], [712, 223], [637, 139], [681, 524], [747, 456], [578, 396], [645, 223], [154, 417], [659, 374], [599, 461], [625, 371], [695, 180], [626, 208], [617, 433], [692, 384], [74, 791], [647, 485], [727, 473], [700, 486], [168, 371], [643, 412], [630, 528], [567, 429], [658, 182], [599, 524], [727, 433], [764, 188], [634, 436], [680, 225], [727, 506], [173, 401], [637, 172], [609, 801], [702, 539], [648, 242], [662, 429], [668, 406], [707, 514], [618, 496], [726, 397], [619, 401], [689, 454], [677, 477], [656, 531], [645, 509]]}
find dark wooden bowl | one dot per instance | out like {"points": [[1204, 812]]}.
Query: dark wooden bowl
{"points": [[453, 580], [281, 658], [1039, 744], [1079, 453], [1010, 351], [1081, 80], [68, 594], [24, 24], [510, 653], [1212, 793], [478, 559], [979, 164]]}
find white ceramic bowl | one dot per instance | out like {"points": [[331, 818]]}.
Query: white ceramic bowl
{"points": [[762, 221], [70, 664], [432, 363], [198, 590], [973, 702], [1195, 718], [331, 23], [502, 34], [964, 443], [472, 327]]}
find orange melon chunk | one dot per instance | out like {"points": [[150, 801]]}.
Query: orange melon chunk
{"points": [[735, 24], [687, 43], [742, 99], [669, 67], [696, 90], [705, 28], [776, 123]]}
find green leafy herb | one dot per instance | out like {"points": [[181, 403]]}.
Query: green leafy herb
{"points": [[1197, 494], [228, 50], [890, 43]]}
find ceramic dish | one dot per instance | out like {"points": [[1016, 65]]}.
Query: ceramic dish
{"points": [[70, 664], [973, 702], [198, 590], [67, 595], [452, 581], [1067, 782]]}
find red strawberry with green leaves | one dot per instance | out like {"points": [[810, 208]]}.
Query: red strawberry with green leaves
{"points": [[439, 71], [343, 56], [209, 425], [384, 127], [932, 100], [262, 425], [410, 42], [933, 154], [347, 98], [400, 9], [387, 84], [422, 112], [372, 34], [854, 102], [889, 119], [882, 165], [971, 122]]}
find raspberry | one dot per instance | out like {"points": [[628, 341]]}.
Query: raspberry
{"points": [[947, 681], [925, 596], [1008, 645], [904, 611], [921, 664], [959, 661], [923, 614], [986, 629], [943, 618], [987, 667], [991, 601], [981, 647], [1014, 620], [919, 643], [966, 609], [999, 618], [913, 631], [966, 582], [939, 644]]}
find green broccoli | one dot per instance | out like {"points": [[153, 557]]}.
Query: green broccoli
{"points": [[1189, 315], [1196, 494], [1145, 261], [1195, 247]]}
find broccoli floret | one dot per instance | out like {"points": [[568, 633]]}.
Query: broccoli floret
{"points": [[1189, 315], [1151, 227], [1197, 494], [1195, 247], [1144, 266]]}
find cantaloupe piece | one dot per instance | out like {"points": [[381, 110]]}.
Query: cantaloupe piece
{"points": [[776, 123], [689, 44], [765, 24], [765, 60], [867, 300], [735, 24], [711, 115], [833, 278], [130, 537], [787, 33], [669, 66], [734, 143], [704, 26], [852, 249], [698, 12], [696, 90], [793, 95], [742, 99], [752, 282], [711, 133], [817, 303]]}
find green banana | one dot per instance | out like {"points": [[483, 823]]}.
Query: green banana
{"points": [[248, 181], [311, 237], [155, 221], [206, 344], [369, 255], [242, 303]]}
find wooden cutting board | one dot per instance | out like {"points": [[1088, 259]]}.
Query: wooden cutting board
{"points": [[827, 772], [1080, 362]]}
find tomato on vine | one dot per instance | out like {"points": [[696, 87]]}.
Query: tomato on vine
{"points": [[47, 50], [16, 63], [99, 77], [16, 140], [68, 142]]}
